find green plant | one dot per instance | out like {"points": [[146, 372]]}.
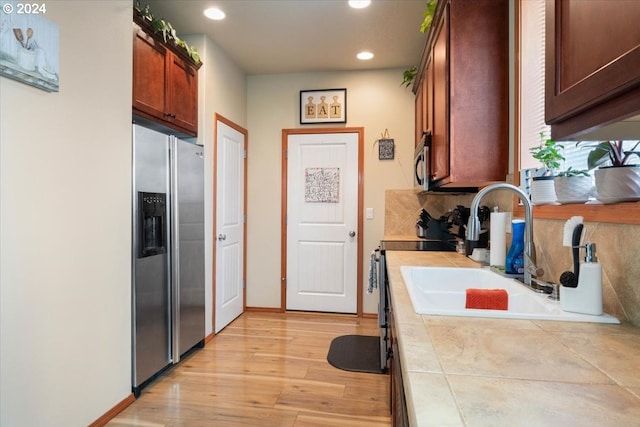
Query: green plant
{"points": [[548, 153], [166, 29], [573, 172], [610, 151], [428, 15], [409, 75], [570, 171]]}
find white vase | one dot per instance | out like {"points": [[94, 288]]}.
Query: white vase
{"points": [[618, 183], [542, 190], [27, 59], [573, 189]]}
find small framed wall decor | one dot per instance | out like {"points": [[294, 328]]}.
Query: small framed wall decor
{"points": [[323, 106], [386, 149], [386, 146]]}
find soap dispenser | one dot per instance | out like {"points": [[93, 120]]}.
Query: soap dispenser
{"points": [[514, 263], [586, 298]]}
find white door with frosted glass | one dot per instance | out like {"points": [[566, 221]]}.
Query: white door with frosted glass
{"points": [[322, 221], [230, 217]]}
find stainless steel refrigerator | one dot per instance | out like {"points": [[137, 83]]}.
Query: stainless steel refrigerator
{"points": [[168, 252]]}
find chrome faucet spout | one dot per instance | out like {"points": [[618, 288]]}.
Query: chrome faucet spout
{"points": [[473, 225]]}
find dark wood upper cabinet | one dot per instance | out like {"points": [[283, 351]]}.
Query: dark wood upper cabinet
{"points": [[592, 64], [149, 74], [165, 82], [420, 115], [439, 91], [182, 94], [463, 80]]}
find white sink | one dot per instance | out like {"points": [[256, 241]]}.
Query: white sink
{"points": [[442, 291]]}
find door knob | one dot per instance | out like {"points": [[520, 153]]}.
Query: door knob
{"points": [[222, 237], [352, 233]]}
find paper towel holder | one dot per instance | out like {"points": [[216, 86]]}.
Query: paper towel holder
{"points": [[498, 237]]}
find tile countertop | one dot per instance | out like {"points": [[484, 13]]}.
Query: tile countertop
{"points": [[462, 371]]}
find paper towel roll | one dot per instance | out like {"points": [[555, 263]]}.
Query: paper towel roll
{"points": [[498, 238]]}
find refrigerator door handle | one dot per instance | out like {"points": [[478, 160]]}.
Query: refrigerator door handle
{"points": [[174, 290]]}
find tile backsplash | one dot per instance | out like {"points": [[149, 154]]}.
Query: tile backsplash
{"points": [[402, 207], [618, 245]]}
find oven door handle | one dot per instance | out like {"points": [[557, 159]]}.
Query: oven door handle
{"points": [[382, 289]]}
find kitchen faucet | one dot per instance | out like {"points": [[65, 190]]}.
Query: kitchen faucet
{"points": [[473, 228]]}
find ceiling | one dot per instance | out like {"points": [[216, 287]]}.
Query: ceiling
{"points": [[297, 36]]}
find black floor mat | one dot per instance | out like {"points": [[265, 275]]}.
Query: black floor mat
{"points": [[358, 353]]}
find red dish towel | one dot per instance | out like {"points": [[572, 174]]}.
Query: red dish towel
{"points": [[487, 299]]}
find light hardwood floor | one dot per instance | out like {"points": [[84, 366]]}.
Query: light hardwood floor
{"points": [[266, 370]]}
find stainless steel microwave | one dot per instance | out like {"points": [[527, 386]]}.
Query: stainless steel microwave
{"points": [[422, 163]]}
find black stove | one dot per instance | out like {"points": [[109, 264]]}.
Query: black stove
{"points": [[447, 244], [418, 245]]}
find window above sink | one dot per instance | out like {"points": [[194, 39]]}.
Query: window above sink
{"points": [[621, 121]]}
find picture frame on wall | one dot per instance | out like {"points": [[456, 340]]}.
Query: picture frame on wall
{"points": [[386, 149], [323, 106], [29, 45]]}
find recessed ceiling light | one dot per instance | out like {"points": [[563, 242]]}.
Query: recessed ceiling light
{"points": [[214, 13], [364, 55], [359, 4]]}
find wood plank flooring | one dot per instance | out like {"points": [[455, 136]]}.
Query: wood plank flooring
{"points": [[266, 370]]}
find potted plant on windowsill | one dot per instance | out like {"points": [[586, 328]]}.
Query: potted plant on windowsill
{"points": [[549, 154], [617, 180], [573, 186]]}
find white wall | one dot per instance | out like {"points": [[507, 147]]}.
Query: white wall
{"points": [[65, 217], [65, 289], [222, 89], [375, 101]]}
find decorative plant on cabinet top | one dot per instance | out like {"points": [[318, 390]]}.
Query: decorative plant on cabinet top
{"points": [[409, 75], [168, 32]]}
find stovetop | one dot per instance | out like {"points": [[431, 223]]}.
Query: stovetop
{"points": [[418, 245]]}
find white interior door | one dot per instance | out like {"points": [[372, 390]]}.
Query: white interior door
{"points": [[230, 221], [322, 222]]}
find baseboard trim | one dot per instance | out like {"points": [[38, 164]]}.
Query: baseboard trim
{"points": [[278, 310], [263, 309], [104, 419]]}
